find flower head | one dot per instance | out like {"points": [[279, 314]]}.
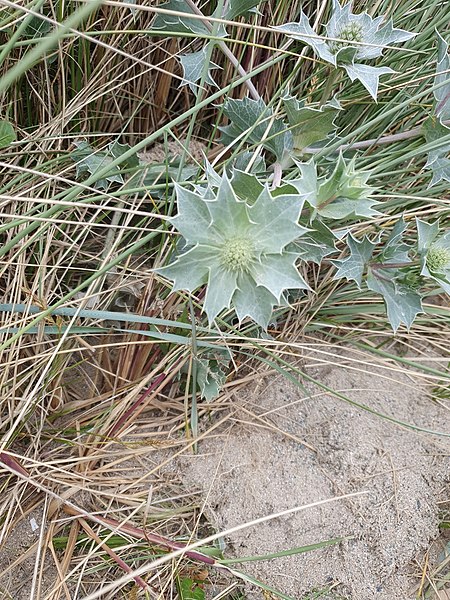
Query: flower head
{"points": [[438, 259], [239, 250], [349, 39], [434, 252]]}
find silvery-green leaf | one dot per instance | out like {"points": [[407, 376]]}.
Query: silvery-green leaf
{"points": [[235, 8], [182, 24], [253, 301], [116, 149], [441, 170], [212, 176], [368, 75], [229, 214], [7, 134], [309, 125], [191, 269], [243, 245], [346, 207], [395, 250], [275, 221], [278, 273], [442, 94], [434, 251], [426, 234], [255, 119], [437, 161], [316, 243], [355, 38], [434, 130], [385, 36], [90, 161], [403, 304], [247, 186], [304, 32], [308, 184], [243, 160], [193, 67], [210, 378], [352, 267], [344, 193], [194, 220], [222, 284]]}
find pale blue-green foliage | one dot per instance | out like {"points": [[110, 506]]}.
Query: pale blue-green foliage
{"points": [[238, 249], [195, 64], [353, 266], [255, 122], [343, 194], [433, 128], [434, 252], [403, 303], [350, 39], [389, 275], [309, 125]]}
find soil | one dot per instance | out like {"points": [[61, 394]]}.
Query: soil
{"points": [[285, 446], [260, 467]]}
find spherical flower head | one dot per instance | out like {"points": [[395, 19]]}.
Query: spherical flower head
{"points": [[438, 258], [237, 254], [352, 32]]}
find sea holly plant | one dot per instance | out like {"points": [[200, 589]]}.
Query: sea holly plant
{"points": [[350, 39], [434, 252], [196, 64], [239, 250], [436, 126], [343, 194]]}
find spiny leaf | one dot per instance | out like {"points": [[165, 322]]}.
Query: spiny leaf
{"points": [[194, 65], [368, 75], [256, 120], [211, 374], [395, 250], [442, 94], [247, 186], [347, 28], [309, 125], [353, 267], [433, 127], [403, 303], [434, 252], [90, 161], [240, 248], [235, 8], [343, 194], [180, 24], [316, 243]]}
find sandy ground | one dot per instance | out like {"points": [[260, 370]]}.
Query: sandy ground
{"points": [[285, 447], [259, 467]]}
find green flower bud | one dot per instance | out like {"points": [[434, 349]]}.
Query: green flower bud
{"points": [[438, 258]]}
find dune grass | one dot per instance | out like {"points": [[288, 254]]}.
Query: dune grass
{"points": [[101, 363]]}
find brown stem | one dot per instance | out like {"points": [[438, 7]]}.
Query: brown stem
{"points": [[387, 139], [140, 534]]}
